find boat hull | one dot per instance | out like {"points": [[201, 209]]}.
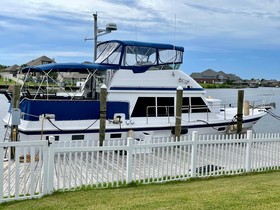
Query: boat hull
{"points": [[79, 130]]}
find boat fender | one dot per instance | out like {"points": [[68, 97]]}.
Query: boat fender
{"points": [[233, 128], [14, 134], [130, 134], [184, 130], [246, 108]]}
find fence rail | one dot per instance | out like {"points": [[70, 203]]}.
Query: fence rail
{"points": [[39, 168]]}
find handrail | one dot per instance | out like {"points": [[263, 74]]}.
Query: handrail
{"points": [[190, 109], [187, 107], [156, 111]]}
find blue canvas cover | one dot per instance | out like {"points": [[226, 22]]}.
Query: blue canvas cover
{"points": [[68, 67], [70, 109]]}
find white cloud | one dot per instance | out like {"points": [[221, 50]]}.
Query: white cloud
{"points": [[201, 25], [251, 19], [239, 19]]}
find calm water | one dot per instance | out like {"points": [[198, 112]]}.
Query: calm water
{"points": [[267, 124]]}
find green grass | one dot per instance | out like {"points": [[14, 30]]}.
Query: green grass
{"points": [[3, 82], [253, 191]]}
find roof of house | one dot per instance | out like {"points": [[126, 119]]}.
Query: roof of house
{"points": [[211, 74], [39, 61], [11, 69]]}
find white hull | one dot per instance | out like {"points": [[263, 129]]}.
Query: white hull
{"points": [[138, 128]]}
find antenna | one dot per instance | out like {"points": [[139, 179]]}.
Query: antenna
{"points": [[174, 39], [174, 35]]}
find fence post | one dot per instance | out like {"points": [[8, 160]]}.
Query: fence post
{"points": [[50, 171], [194, 153], [129, 160], [248, 151], [45, 168]]}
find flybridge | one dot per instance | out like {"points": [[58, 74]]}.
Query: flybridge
{"points": [[139, 56], [136, 56]]}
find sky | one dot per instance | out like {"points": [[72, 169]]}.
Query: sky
{"points": [[241, 37]]}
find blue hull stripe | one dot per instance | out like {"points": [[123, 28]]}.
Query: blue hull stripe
{"points": [[118, 130]]}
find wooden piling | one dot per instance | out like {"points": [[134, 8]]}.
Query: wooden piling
{"points": [[179, 100], [14, 128], [103, 104], [240, 110]]}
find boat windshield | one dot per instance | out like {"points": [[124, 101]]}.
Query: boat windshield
{"points": [[139, 55], [109, 53]]}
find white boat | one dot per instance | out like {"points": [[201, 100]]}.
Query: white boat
{"points": [[141, 80]]}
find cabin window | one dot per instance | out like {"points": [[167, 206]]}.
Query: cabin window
{"points": [[165, 106], [185, 105], [198, 105], [146, 105], [78, 137], [143, 105]]}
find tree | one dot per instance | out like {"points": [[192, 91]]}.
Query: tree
{"points": [[2, 67]]}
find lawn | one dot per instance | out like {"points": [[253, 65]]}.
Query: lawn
{"points": [[253, 191]]}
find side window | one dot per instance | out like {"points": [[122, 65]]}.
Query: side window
{"points": [[142, 105], [185, 105], [165, 106], [198, 105]]}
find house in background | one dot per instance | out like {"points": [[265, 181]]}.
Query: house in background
{"points": [[10, 73], [39, 61], [11, 70], [64, 79], [211, 76]]}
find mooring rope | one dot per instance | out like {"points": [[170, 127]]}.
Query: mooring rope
{"points": [[272, 114]]}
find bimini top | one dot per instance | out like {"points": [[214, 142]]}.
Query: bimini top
{"points": [[116, 54], [67, 67]]}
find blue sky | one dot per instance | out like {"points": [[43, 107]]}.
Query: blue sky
{"points": [[235, 36]]}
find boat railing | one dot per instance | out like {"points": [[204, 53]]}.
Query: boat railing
{"points": [[156, 111]]}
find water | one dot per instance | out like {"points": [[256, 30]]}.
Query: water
{"points": [[267, 124]]}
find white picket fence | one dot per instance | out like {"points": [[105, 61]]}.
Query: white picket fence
{"points": [[39, 168]]}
